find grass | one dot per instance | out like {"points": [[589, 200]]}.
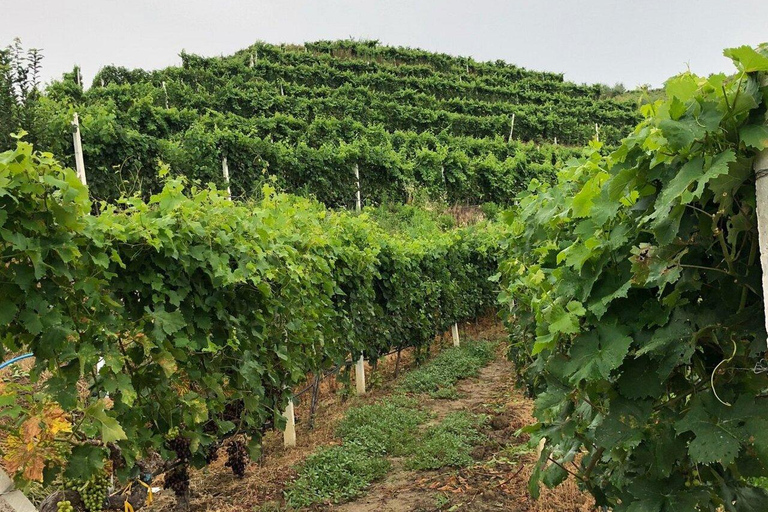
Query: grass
{"points": [[390, 428], [449, 443], [334, 475], [369, 434], [438, 376]]}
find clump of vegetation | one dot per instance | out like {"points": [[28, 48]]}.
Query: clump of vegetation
{"points": [[449, 443], [369, 433], [439, 375], [336, 474], [384, 428]]}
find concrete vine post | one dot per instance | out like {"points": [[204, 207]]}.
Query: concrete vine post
{"points": [[761, 191], [359, 203], [79, 162], [455, 333], [225, 171], [289, 434], [511, 128], [165, 91], [360, 375]]}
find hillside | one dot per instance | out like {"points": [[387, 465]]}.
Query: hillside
{"points": [[415, 123]]}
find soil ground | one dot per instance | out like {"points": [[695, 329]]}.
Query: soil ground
{"points": [[497, 481]]}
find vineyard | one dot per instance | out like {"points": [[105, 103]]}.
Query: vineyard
{"points": [[213, 266], [414, 123]]}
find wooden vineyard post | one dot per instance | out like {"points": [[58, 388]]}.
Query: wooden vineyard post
{"points": [[225, 171], [511, 128], [359, 202], [79, 162], [360, 375], [289, 434], [455, 333], [761, 191]]}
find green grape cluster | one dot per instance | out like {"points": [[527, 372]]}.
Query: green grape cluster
{"points": [[172, 433], [64, 506], [93, 492]]}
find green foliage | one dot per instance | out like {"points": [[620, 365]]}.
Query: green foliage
{"points": [[638, 276], [19, 93], [335, 475], [305, 117], [369, 433], [449, 443], [205, 312], [438, 376], [386, 428]]}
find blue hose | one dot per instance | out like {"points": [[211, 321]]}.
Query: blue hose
{"points": [[15, 360]]}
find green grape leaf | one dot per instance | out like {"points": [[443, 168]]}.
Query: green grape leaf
{"points": [[754, 136], [596, 354], [111, 430], [747, 59]]}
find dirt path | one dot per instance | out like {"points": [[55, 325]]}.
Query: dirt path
{"points": [[401, 490], [498, 480]]}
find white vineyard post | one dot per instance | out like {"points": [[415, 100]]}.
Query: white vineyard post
{"points": [[511, 128], [555, 141], [360, 375], [225, 171], [455, 333], [165, 90], [289, 434], [761, 190], [79, 162], [445, 182], [597, 132], [13, 499], [359, 202]]}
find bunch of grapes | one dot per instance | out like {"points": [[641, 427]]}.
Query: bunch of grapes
{"points": [[65, 506], [237, 457], [179, 444], [178, 480], [212, 452], [93, 492]]}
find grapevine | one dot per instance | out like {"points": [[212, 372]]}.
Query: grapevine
{"points": [[637, 273], [206, 312]]}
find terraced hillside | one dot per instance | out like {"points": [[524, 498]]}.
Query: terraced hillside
{"points": [[414, 123]]}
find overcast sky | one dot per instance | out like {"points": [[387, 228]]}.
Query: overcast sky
{"points": [[628, 41]]}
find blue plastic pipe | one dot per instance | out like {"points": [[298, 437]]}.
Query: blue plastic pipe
{"points": [[15, 360]]}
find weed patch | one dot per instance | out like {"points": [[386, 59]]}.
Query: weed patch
{"points": [[449, 443], [334, 475], [369, 434], [448, 367], [388, 427]]}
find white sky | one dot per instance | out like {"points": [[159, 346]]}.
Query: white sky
{"points": [[607, 41]]}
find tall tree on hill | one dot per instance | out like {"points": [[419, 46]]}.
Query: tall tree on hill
{"points": [[19, 90]]}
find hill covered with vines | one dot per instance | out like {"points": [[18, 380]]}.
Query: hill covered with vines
{"points": [[414, 123]]}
